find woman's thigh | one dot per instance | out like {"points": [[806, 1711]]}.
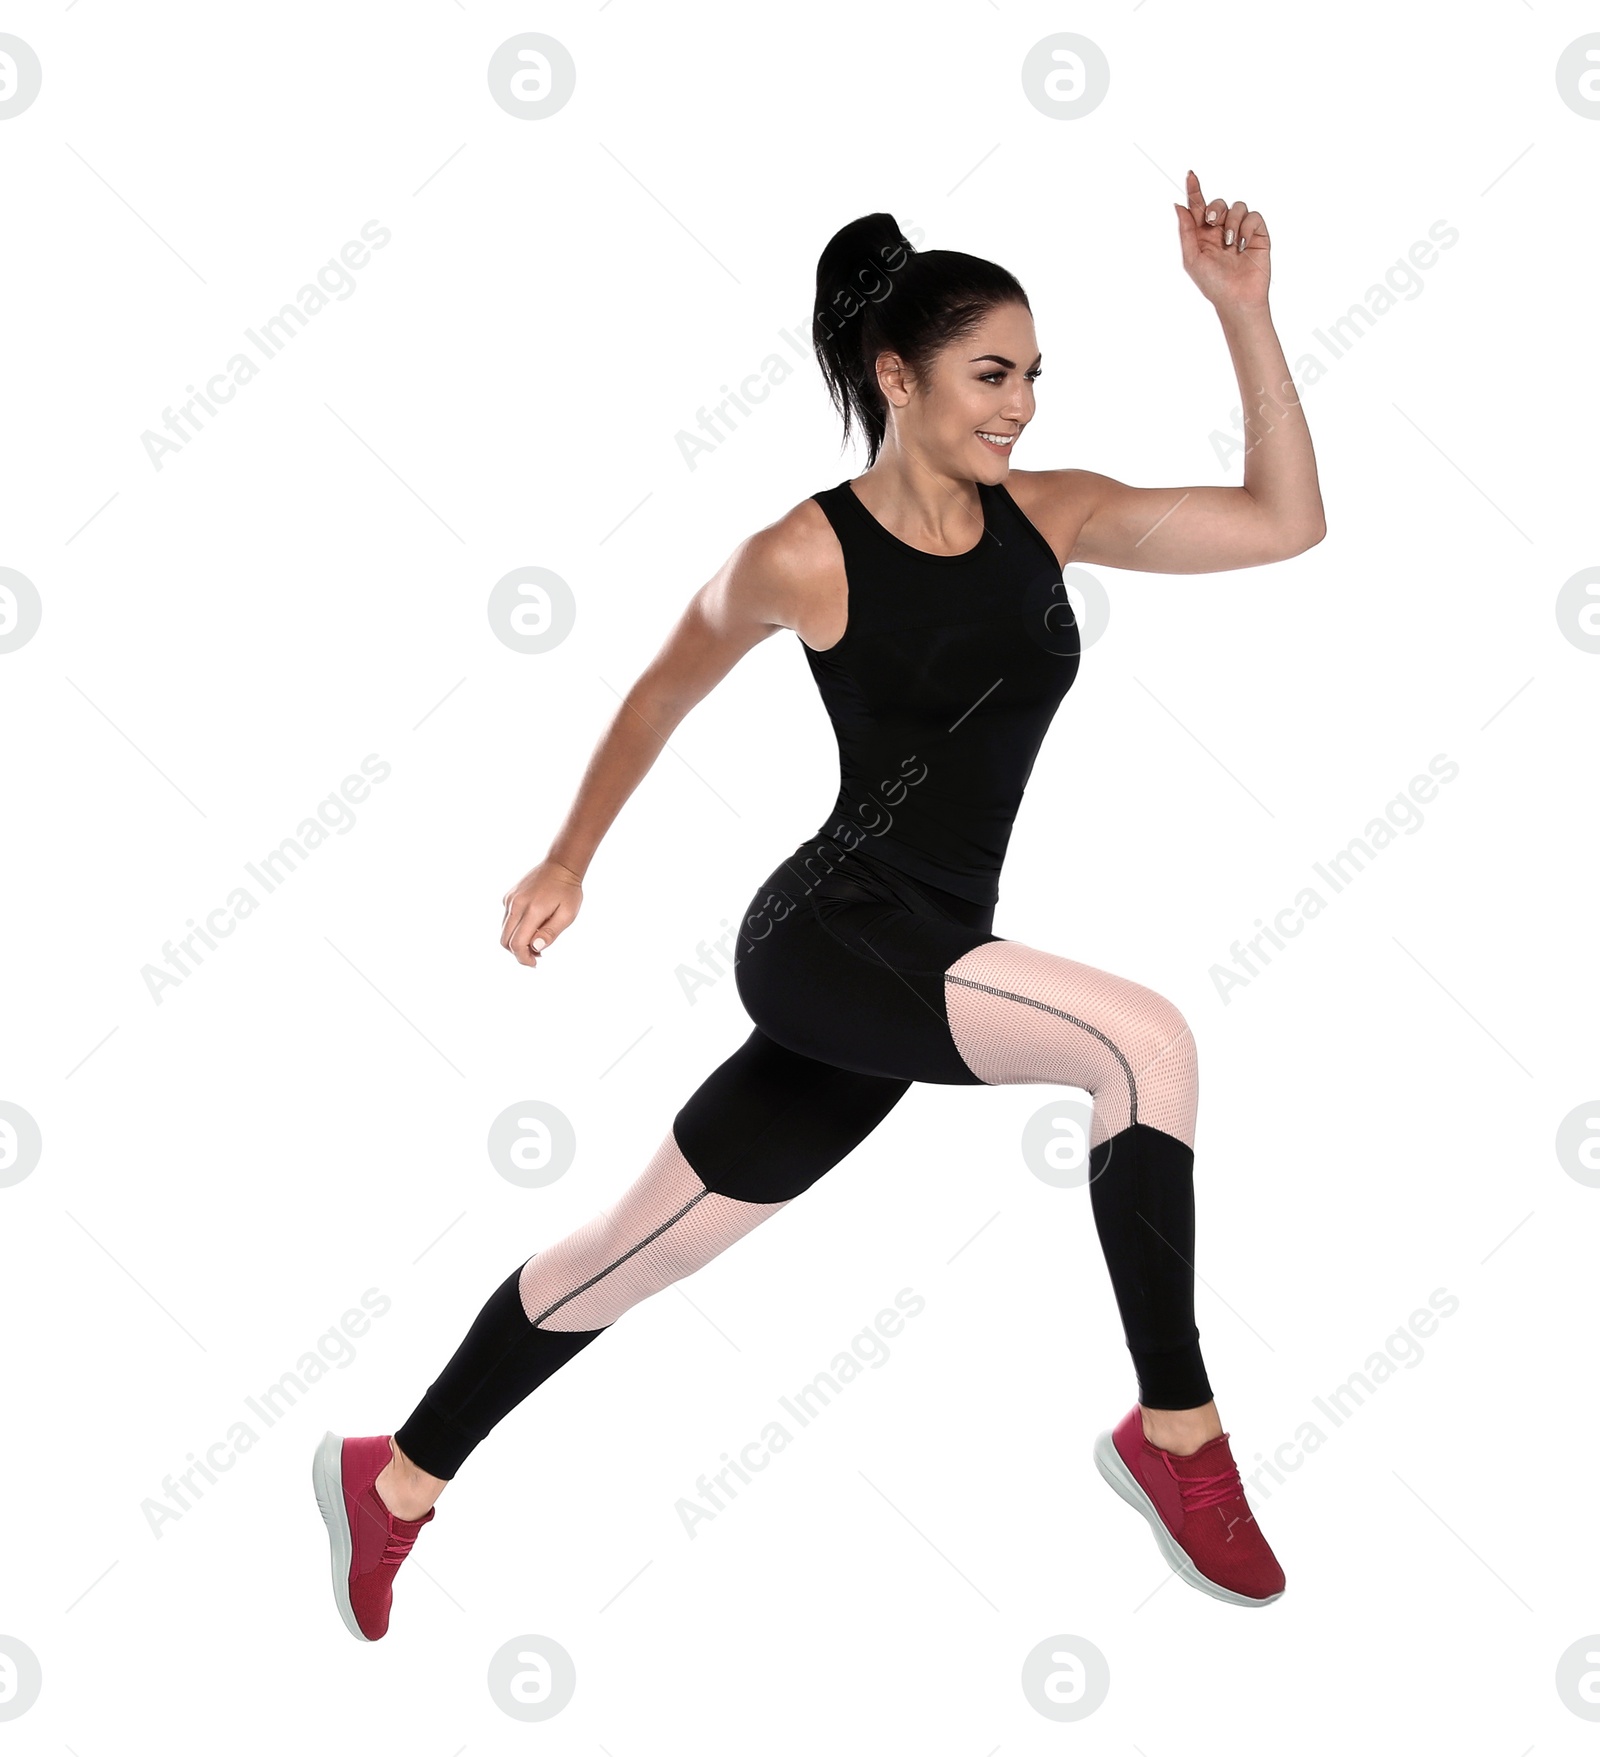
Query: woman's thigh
{"points": [[857, 969], [1019, 1014], [767, 1123], [850, 968]]}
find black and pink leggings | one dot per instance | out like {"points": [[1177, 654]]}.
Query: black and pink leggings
{"points": [[860, 981]]}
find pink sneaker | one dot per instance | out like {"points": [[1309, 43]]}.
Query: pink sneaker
{"points": [[367, 1540], [1196, 1507]]}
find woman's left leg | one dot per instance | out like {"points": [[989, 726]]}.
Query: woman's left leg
{"points": [[1018, 1014], [882, 974], [929, 992]]}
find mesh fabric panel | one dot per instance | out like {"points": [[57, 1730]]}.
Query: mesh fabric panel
{"points": [[1019, 1015], [664, 1226]]}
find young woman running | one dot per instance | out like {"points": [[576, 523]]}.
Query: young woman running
{"points": [[928, 598]]}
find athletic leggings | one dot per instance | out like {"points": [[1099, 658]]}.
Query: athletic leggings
{"points": [[859, 981]]}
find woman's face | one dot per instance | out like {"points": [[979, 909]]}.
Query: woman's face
{"points": [[980, 385]]}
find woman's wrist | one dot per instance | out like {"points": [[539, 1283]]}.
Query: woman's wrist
{"points": [[551, 860]]}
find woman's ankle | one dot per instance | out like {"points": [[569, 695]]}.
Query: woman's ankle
{"points": [[1181, 1431], [407, 1491]]}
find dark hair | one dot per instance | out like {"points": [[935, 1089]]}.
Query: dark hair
{"points": [[877, 291]]}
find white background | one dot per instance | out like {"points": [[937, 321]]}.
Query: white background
{"points": [[304, 1118]]}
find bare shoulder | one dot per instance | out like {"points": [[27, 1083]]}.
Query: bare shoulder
{"points": [[789, 574], [775, 578], [1057, 503]]}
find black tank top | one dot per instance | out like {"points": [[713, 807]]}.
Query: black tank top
{"points": [[941, 690]]}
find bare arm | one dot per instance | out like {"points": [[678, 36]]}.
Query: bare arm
{"points": [[747, 599], [1275, 514], [1278, 511]]}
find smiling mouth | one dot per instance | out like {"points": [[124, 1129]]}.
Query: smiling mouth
{"points": [[998, 441]]}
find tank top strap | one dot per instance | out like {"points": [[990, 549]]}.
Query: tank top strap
{"points": [[854, 526], [1007, 520]]}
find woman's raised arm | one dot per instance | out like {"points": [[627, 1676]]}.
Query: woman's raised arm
{"points": [[1207, 528]]}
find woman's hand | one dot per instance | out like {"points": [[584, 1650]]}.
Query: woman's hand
{"points": [[538, 909], [1226, 250]]}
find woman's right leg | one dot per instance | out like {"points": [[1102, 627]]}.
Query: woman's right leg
{"points": [[760, 1130]]}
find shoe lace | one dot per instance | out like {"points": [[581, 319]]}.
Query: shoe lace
{"points": [[398, 1547], [1207, 1491]]}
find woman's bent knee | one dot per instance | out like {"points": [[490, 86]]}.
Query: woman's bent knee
{"points": [[1023, 1015]]}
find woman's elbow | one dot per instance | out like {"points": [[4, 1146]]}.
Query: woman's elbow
{"points": [[1304, 537]]}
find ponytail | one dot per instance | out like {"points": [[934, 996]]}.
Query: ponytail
{"points": [[877, 293]]}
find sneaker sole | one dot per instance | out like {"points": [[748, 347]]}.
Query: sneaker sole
{"points": [[327, 1478], [1109, 1462]]}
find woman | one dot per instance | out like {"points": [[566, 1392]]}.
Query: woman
{"points": [[928, 597]]}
